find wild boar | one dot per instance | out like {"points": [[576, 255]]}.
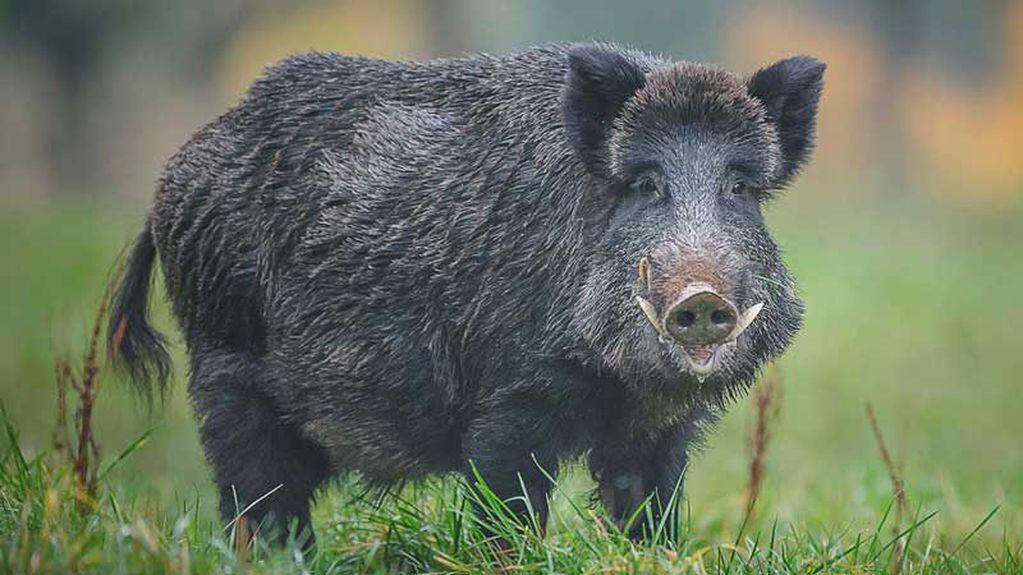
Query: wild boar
{"points": [[405, 268]]}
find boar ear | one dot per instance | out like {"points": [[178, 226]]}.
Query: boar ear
{"points": [[600, 81], [790, 90]]}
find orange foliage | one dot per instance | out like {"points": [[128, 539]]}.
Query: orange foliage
{"points": [[761, 33], [962, 144], [970, 141], [377, 28]]}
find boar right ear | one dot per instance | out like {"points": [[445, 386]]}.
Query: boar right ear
{"points": [[600, 81], [790, 90]]}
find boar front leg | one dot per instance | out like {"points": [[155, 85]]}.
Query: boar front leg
{"points": [[631, 474], [514, 445]]}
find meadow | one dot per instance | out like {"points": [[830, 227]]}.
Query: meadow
{"points": [[912, 306]]}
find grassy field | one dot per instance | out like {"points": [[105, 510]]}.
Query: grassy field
{"points": [[910, 307]]}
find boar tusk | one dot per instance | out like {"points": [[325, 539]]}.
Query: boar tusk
{"points": [[651, 315], [644, 274], [745, 319]]}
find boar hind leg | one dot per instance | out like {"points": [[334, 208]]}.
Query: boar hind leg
{"points": [[261, 465]]}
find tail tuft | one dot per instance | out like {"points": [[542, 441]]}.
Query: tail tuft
{"points": [[132, 343]]}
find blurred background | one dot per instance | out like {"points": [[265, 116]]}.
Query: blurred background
{"points": [[905, 233]]}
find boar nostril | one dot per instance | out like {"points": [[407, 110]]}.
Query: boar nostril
{"points": [[685, 318], [721, 316]]}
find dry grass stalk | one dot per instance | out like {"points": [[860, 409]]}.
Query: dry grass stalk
{"points": [[63, 375], [82, 453], [894, 473], [898, 487], [243, 539], [767, 407]]}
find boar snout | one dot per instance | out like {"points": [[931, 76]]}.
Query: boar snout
{"points": [[701, 317], [701, 321]]}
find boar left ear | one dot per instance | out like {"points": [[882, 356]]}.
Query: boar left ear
{"points": [[600, 81], [790, 89]]}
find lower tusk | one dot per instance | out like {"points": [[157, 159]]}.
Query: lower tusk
{"points": [[644, 274], [651, 315], [745, 320]]}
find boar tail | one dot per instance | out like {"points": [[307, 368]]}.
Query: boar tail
{"points": [[132, 343]]}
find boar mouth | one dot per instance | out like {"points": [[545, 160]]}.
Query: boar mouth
{"points": [[700, 359]]}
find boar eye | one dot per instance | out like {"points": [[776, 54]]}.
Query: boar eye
{"points": [[739, 188], [647, 185]]}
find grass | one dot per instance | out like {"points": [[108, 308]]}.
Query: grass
{"points": [[910, 308], [427, 528]]}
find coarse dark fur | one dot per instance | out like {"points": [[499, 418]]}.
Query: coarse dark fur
{"points": [[397, 268]]}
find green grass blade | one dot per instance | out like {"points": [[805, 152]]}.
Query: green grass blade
{"points": [[132, 447]]}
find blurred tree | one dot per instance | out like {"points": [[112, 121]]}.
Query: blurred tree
{"points": [[76, 40], [447, 29], [69, 36], [898, 24]]}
